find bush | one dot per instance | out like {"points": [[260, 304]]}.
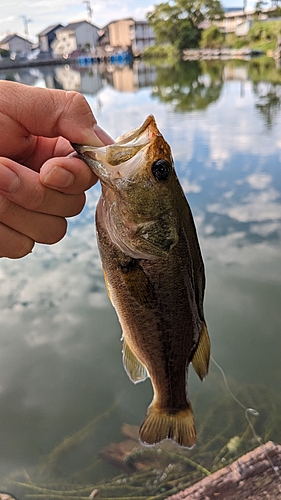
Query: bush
{"points": [[239, 43], [212, 38], [160, 51], [4, 53], [265, 31]]}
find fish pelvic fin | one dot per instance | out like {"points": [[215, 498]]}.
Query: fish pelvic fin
{"points": [[136, 371], [161, 424], [201, 357]]}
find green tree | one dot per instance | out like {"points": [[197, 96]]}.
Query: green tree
{"points": [[190, 85], [260, 5], [212, 38], [178, 21]]}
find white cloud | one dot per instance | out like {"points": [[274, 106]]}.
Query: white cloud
{"points": [[45, 288], [256, 207], [47, 12], [266, 229], [259, 180], [190, 187]]}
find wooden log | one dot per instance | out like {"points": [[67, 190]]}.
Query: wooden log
{"points": [[254, 476]]}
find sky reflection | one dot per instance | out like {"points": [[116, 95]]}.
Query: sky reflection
{"points": [[60, 357]]}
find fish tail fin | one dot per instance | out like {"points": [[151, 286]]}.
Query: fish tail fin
{"points": [[161, 424]]}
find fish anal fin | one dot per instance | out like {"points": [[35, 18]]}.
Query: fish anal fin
{"points": [[201, 357], [161, 424], [138, 284], [135, 369]]}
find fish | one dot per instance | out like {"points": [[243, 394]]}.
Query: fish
{"points": [[154, 274]]}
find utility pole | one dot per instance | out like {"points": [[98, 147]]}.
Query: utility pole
{"points": [[89, 9], [25, 23]]}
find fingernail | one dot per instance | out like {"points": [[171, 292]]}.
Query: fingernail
{"points": [[9, 180], [102, 135], [59, 177]]}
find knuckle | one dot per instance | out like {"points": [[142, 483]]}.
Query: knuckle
{"points": [[77, 102], [4, 205], [39, 199]]}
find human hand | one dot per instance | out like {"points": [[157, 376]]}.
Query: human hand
{"points": [[40, 184]]}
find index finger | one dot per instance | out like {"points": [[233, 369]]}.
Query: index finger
{"points": [[49, 112], [68, 175]]}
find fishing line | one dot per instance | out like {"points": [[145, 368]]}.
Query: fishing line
{"points": [[248, 411]]}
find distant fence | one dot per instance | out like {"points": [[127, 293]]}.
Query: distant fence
{"points": [[224, 53], [83, 60], [116, 58]]}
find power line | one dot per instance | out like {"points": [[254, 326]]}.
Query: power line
{"points": [[89, 9], [25, 23]]}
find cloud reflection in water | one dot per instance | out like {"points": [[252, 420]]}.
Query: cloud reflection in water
{"points": [[60, 357]]}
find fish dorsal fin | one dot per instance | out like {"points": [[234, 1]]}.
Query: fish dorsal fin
{"points": [[139, 285], [134, 368], [201, 357]]}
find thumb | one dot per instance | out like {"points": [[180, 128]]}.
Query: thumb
{"points": [[68, 113]]}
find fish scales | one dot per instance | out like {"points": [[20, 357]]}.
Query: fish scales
{"points": [[154, 274], [166, 310]]}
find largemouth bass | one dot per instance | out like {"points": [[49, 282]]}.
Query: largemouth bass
{"points": [[154, 274]]}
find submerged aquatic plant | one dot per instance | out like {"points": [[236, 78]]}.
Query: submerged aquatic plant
{"points": [[155, 473]]}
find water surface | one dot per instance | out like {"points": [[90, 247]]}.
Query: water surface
{"points": [[60, 356]]}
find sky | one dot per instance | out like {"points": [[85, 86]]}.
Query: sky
{"points": [[43, 13]]}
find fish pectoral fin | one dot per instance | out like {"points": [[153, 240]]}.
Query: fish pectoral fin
{"points": [[201, 357], [139, 285], [161, 424], [107, 285], [136, 371]]}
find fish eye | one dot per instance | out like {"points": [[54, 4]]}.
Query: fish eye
{"points": [[161, 170]]}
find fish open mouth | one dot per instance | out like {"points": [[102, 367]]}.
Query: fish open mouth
{"points": [[127, 153], [140, 135]]}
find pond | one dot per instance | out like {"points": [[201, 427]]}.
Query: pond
{"points": [[64, 395]]}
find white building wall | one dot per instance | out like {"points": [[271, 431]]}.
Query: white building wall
{"points": [[65, 43], [86, 34], [243, 28], [19, 46]]}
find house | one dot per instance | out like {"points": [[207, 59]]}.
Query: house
{"points": [[81, 35], [126, 33], [243, 28], [47, 36], [240, 21], [130, 78], [142, 36], [116, 34], [16, 44], [86, 82]]}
